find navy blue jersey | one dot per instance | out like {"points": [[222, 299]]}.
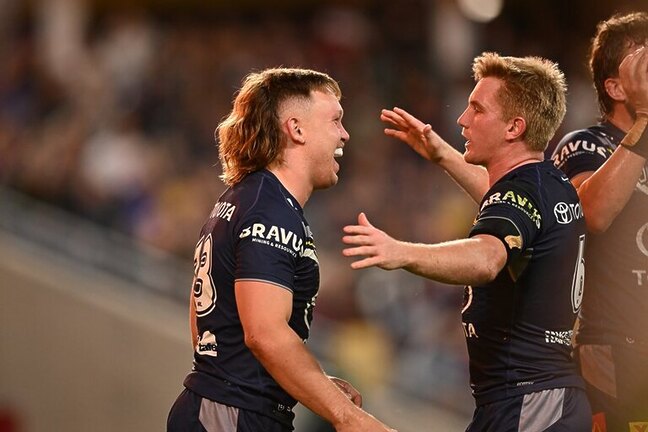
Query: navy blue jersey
{"points": [[615, 307], [256, 231], [518, 327]]}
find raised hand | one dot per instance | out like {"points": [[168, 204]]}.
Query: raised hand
{"points": [[418, 135], [380, 249], [633, 75]]}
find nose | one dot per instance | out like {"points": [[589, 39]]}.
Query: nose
{"points": [[345, 135], [461, 121]]}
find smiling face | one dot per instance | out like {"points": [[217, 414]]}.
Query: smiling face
{"points": [[324, 138], [483, 125]]}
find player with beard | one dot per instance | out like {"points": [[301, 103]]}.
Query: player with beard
{"points": [[607, 164]]}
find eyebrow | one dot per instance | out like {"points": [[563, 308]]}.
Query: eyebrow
{"points": [[477, 104]]}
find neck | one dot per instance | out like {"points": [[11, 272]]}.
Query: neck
{"points": [[292, 180], [620, 117], [509, 162]]}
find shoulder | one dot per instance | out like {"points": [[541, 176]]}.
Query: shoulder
{"points": [[518, 191], [530, 188], [596, 134], [265, 204], [583, 150], [592, 135]]}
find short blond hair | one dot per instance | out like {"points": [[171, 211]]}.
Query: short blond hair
{"points": [[250, 137], [533, 88]]}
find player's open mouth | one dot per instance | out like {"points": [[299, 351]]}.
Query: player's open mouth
{"points": [[338, 152]]}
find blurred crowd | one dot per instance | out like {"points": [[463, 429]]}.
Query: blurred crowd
{"points": [[110, 114]]}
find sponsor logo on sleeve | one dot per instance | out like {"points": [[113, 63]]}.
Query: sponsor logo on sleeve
{"points": [[274, 236], [577, 147], [516, 200], [283, 239]]}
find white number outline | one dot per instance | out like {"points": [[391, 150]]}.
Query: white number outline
{"points": [[578, 281], [203, 287]]}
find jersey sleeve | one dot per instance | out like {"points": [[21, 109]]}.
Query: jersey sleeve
{"points": [[580, 151], [268, 245], [510, 212]]}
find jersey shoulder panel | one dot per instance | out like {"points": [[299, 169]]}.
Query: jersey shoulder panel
{"points": [[583, 150], [271, 235], [510, 211]]}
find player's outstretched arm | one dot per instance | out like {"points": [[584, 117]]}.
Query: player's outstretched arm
{"points": [[427, 143], [264, 310], [472, 261], [605, 192]]}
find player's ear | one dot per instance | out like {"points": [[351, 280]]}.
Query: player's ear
{"points": [[294, 130], [614, 89], [516, 129]]}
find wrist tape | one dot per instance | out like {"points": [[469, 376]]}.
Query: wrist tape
{"points": [[636, 140]]}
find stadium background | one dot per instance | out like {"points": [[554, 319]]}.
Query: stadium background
{"points": [[108, 168]]}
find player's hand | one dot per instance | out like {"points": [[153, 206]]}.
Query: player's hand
{"points": [[378, 248], [418, 135], [633, 75], [350, 391]]}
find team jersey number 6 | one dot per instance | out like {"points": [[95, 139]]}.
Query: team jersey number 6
{"points": [[204, 293], [579, 276]]}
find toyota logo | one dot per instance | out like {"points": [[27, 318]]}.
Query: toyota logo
{"points": [[642, 239], [561, 211]]}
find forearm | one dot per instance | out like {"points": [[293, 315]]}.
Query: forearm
{"points": [[604, 194], [295, 369], [460, 262], [471, 178]]}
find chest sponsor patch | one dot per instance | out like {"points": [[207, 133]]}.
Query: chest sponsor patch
{"points": [[567, 213]]}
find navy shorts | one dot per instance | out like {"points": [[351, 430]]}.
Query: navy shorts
{"points": [[193, 413], [553, 410]]}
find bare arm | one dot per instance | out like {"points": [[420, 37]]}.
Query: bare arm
{"points": [[606, 191], [472, 261], [422, 139], [264, 310]]}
